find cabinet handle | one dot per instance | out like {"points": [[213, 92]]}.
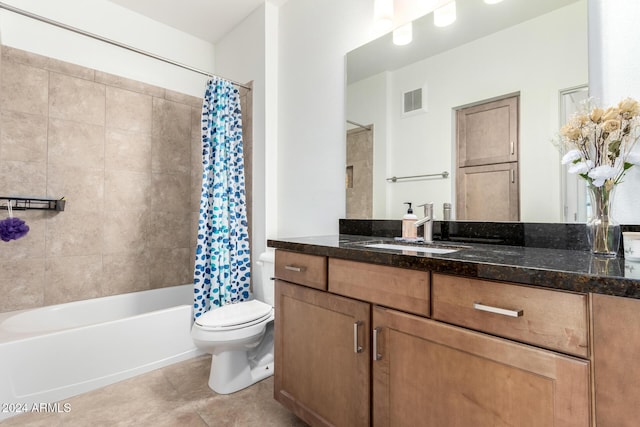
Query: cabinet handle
{"points": [[513, 176], [376, 355], [512, 147], [497, 310], [294, 268], [356, 345]]}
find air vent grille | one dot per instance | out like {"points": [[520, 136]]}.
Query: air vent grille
{"points": [[412, 101]]}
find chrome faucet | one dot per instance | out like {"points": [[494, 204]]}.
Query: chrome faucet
{"points": [[427, 221]]}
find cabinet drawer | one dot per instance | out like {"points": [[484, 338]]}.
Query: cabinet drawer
{"points": [[406, 290], [303, 269], [552, 319]]}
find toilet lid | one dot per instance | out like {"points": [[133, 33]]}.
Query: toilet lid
{"points": [[234, 314]]}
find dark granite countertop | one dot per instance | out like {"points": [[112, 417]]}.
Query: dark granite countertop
{"points": [[569, 270]]}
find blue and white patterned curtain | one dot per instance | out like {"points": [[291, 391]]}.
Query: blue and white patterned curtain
{"points": [[222, 266]]}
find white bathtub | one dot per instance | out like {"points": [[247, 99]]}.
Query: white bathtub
{"points": [[52, 353]]}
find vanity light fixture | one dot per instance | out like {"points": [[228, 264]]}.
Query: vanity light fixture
{"points": [[403, 35], [492, 1], [445, 15], [383, 15]]}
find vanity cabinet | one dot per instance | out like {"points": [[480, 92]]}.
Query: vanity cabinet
{"points": [[429, 373], [616, 336], [322, 357], [388, 346]]}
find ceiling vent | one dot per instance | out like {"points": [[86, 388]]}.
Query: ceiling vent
{"points": [[412, 101]]}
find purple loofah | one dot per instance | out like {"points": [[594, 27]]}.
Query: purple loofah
{"points": [[12, 229]]}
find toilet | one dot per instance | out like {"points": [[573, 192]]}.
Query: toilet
{"points": [[240, 336]]}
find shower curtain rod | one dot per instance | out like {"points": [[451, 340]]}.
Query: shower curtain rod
{"points": [[359, 125], [111, 42]]}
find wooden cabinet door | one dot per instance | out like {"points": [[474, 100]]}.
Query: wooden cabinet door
{"points": [[616, 348], [488, 133], [322, 356], [488, 193], [431, 374]]}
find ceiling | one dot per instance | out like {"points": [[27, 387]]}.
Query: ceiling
{"points": [[475, 19], [208, 20]]}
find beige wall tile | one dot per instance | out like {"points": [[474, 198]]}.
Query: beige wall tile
{"points": [[125, 83], [182, 98], [72, 98], [169, 230], [23, 137], [128, 110], [30, 246], [195, 191], [125, 231], [69, 69], [74, 233], [125, 272], [170, 193], [124, 228], [23, 178], [170, 267], [127, 151], [24, 89], [12, 54], [21, 284], [170, 155], [171, 120], [124, 191], [193, 230], [73, 278], [82, 188], [76, 144]]}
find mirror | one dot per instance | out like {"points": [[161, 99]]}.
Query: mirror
{"points": [[402, 103]]}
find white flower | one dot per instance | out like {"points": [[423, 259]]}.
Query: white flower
{"points": [[571, 156], [581, 167], [602, 173], [633, 157]]}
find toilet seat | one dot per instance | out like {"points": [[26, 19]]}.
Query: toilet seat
{"points": [[235, 316]]}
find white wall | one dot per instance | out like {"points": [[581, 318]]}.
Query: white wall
{"points": [[314, 38], [367, 102], [114, 22], [614, 67], [537, 58], [240, 56]]}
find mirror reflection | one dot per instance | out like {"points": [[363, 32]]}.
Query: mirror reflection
{"points": [[481, 99]]}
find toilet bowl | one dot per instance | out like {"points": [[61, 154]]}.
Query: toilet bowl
{"points": [[240, 336]]}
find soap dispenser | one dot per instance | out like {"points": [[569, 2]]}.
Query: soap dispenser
{"points": [[409, 231]]}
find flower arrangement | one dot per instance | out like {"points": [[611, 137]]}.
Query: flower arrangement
{"points": [[600, 143], [601, 151]]}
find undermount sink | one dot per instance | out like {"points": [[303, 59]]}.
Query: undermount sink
{"points": [[413, 248]]}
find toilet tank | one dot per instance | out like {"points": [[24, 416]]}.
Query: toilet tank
{"points": [[263, 288]]}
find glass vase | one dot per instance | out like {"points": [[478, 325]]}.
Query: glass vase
{"points": [[603, 231]]}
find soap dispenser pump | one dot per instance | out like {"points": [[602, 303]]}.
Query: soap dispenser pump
{"points": [[409, 231]]}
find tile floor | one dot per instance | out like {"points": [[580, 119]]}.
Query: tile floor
{"points": [[176, 395]]}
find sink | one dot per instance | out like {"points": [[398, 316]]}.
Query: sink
{"points": [[413, 248]]}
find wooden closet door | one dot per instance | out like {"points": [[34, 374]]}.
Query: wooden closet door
{"points": [[488, 193], [488, 133]]}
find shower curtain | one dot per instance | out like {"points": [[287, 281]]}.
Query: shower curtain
{"points": [[222, 265]]}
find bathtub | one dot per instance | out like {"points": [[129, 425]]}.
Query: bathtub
{"points": [[52, 353]]}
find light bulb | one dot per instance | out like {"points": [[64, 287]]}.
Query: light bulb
{"points": [[445, 15], [383, 15], [403, 35]]}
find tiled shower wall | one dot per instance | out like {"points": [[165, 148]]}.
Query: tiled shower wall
{"points": [[127, 158]]}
